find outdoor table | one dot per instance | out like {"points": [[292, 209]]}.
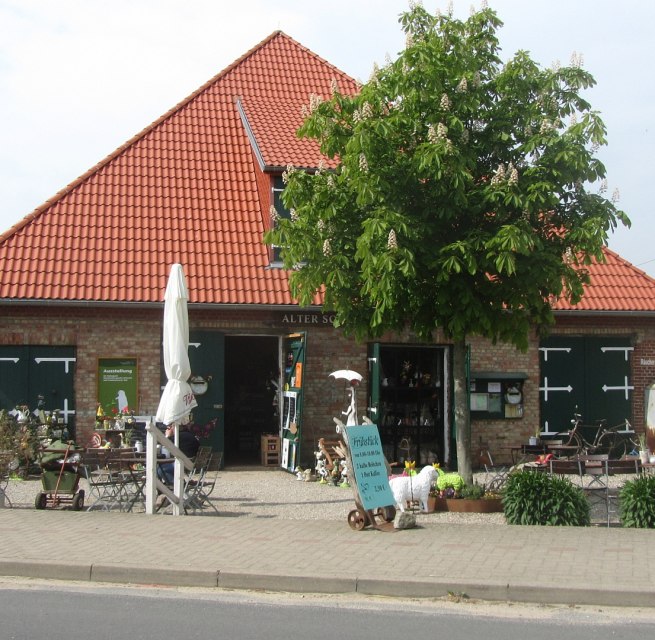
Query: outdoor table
{"points": [[562, 450], [647, 467], [523, 452]]}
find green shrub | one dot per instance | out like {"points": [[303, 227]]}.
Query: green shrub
{"points": [[20, 440], [538, 498], [637, 503], [472, 491]]}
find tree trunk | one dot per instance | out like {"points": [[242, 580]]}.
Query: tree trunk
{"points": [[462, 415]]}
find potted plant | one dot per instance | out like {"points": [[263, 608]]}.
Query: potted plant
{"points": [[450, 493]]}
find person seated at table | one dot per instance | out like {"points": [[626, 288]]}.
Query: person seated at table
{"points": [[188, 445]]}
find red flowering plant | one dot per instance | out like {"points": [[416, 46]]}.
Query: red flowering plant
{"points": [[202, 431]]}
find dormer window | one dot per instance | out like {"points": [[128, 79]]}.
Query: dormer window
{"points": [[280, 211]]}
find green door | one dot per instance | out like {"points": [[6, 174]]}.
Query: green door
{"points": [[30, 372], [207, 358], [373, 409], [590, 375], [293, 354]]}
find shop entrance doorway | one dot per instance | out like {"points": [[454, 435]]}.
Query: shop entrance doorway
{"points": [[251, 368]]}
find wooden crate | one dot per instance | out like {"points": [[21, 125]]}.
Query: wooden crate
{"points": [[270, 450]]}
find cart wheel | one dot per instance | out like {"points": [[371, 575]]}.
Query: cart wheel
{"points": [[41, 500], [387, 513], [357, 520], [78, 501]]}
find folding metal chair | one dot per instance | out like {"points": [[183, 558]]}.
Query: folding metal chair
{"points": [[495, 477], [206, 488], [196, 492], [6, 458], [566, 467], [595, 482], [626, 466], [104, 476], [197, 483]]}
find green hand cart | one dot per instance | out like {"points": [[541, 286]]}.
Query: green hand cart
{"points": [[60, 477]]}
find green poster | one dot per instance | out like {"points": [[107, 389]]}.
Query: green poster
{"points": [[118, 384]]}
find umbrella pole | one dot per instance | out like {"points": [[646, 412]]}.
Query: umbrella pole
{"points": [[178, 481], [151, 467]]}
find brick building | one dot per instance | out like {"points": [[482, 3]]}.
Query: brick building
{"points": [[83, 279]]}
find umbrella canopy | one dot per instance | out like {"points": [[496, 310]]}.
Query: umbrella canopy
{"points": [[347, 374], [178, 400], [354, 378]]}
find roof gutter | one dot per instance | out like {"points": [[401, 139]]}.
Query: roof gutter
{"points": [[606, 314], [100, 304]]}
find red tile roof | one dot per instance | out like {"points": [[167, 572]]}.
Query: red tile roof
{"points": [[616, 286], [186, 190]]}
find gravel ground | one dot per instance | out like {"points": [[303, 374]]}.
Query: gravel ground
{"points": [[271, 493]]}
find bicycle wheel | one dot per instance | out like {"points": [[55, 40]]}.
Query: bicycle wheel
{"points": [[613, 444], [572, 439]]}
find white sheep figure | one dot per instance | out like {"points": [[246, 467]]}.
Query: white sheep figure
{"points": [[407, 488]]}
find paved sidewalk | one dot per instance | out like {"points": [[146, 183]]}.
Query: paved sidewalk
{"points": [[595, 565]]}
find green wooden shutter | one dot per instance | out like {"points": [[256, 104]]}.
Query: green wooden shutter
{"points": [[373, 409], [591, 374], [27, 372]]}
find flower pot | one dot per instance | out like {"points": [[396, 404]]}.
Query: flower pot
{"points": [[465, 505]]}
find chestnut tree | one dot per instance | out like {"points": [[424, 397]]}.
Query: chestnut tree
{"points": [[461, 193]]}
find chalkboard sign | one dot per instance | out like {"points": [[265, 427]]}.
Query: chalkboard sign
{"points": [[369, 468]]}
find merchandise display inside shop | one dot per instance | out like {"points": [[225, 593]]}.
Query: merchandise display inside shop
{"points": [[411, 403]]}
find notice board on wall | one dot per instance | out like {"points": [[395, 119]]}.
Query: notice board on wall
{"points": [[118, 383]]}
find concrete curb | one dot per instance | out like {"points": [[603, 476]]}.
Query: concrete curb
{"points": [[435, 588], [169, 576], [45, 569]]}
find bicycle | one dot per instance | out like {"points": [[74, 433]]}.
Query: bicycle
{"points": [[615, 441]]}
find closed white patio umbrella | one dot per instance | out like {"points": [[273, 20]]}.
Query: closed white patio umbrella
{"points": [[177, 400]]}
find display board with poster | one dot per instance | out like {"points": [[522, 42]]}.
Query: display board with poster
{"points": [[118, 383]]}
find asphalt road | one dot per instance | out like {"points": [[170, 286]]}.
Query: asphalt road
{"points": [[72, 611]]}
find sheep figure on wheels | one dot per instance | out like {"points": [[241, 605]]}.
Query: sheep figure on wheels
{"points": [[408, 488]]}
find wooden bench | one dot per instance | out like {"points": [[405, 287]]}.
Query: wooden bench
{"points": [[333, 452]]}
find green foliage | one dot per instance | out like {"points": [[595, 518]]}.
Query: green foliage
{"points": [[21, 439], [637, 502], [533, 498], [472, 491], [7, 432], [462, 190], [465, 194]]}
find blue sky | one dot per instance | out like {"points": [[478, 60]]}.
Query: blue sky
{"points": [[78, 78]]}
